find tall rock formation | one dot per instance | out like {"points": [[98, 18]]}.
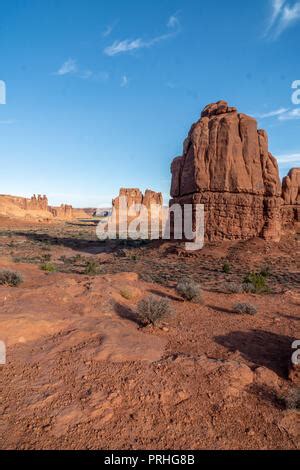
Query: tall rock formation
{"points": [[226, 165], [134, 202], [291, 198], [64, 211], [135, 198]]}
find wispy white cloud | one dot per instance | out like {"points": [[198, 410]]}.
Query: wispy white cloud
{"points": [[289, 16], [124, 81], [173, 21], [277, 6], [289, 158], [71, 67], [119, 47], [109, 29], [128, 45], [283, 15], [282, 114], [290, 115], [68, 67], [276, 112]]}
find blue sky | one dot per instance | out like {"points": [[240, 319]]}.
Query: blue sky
{"points": [[101, 94]]}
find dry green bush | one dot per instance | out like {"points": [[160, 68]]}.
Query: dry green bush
{"points": [[48, 267], [10, 278], [152, 309], [245, 309], [190, 291], [92, 268], [256, 283]]}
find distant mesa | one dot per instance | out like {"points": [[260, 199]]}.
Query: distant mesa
{"points": [[37, 208], [226, 165]]}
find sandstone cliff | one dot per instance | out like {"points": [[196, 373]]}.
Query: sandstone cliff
{"points": [[36, 208], [135, 198], [226, 165], [291, 198]]}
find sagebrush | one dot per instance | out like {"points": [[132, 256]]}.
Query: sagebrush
{"points": [[152, 309], [245, 309], [92, 268], [190, 291], [10, 278]]}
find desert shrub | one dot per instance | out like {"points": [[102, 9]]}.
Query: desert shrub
{"points": [[245, 309], [248, 288], [190, 291], [92, 268], [10, 278], [265, 271], [256, 283], [126, 293], [226, 267], [120, 253], [292, 400], [233, 288], [48, 267], [152, 309], [134, 257], [47, 257], [70, 260]]}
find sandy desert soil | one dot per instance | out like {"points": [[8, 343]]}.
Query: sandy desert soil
{"points": [[82, 374]]}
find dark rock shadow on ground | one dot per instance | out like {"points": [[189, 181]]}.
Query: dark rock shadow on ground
{"points": [[221, 309], [127, 313], [157, 293], [86, 222], [268, 395], [289, 317], [263, 348], [92, 246], [77, 244]]}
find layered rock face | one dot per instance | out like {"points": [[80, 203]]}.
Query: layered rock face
{"points": [[36, 207], [226, 165], [37, 203], [291, 198], [135, 198], [64, 211]]}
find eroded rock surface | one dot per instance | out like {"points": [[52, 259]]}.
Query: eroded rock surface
{"points": [[37, 208], [291, 198], [226, 165], [134, 199]]}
